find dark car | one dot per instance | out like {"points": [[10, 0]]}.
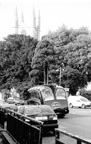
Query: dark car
{"points": [[42, 113]]}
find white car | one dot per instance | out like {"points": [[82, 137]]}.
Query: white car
{"points": [[16, 101], [78, 101]]}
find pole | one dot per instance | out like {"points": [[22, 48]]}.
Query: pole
{"points": [[46, 73], [60, 76]]}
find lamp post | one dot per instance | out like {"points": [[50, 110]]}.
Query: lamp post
{"points": [[60, 76], [60, 73], [46, 73]]}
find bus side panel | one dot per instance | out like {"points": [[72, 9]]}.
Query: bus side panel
{"points": [[59, 106]]}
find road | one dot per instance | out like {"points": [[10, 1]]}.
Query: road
{"points": [[77, 122]]}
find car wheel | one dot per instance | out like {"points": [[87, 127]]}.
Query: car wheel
{"points": [[71, 106], [83, 106]]}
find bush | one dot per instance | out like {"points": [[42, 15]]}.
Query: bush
{"points": [[86, 93]]}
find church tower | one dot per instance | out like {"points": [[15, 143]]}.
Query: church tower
{"points": [[16, 22], [36, 27], [34, 23], [21, 28], [23, 31]]}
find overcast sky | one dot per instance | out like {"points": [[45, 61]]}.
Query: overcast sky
{"points": [[54, 13]]}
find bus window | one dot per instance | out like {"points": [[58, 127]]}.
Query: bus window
{"points": [[33, 98], [33, 94], [60, 94], [47, 94]]}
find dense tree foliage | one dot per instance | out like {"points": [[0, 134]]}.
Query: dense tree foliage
{"points": [[73, 54], [85, 93], [44, 52], [73, 79], [16, 53], [23, 58]]}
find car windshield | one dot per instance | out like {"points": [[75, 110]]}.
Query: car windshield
{"points": [[38, 110], [32, 111], [47, 94], [60, 93]]}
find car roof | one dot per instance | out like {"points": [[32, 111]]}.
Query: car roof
{"points": [[38, 87], [76, 97]]}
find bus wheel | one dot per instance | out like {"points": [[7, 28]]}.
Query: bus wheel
{"points": [[62, 115]]}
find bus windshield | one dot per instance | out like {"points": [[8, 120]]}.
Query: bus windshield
{"points": [[60, 93], [47, 94]]}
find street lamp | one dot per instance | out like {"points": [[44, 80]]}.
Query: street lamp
{"points": [[46, 73], [60, 73]]}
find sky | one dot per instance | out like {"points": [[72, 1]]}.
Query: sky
{"points": [[54, 14]]}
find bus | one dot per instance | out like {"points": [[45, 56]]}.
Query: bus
{"points": [[50, 94]]}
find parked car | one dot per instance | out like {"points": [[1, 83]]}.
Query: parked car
{"points": [[78, 101], [6, 106], [42, 113], [16, 101], [10, 100]]}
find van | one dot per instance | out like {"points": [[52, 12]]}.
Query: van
{"points": [[52, 95], [78, 101]]}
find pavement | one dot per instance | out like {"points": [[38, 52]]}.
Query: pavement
{"points": [[1, 130], [5, 138]]}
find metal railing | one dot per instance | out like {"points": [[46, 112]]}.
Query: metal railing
{"points": [[59, 134], [22, 129], [2, 117]]}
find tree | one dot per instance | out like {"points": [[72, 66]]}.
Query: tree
{"points": [[72, 48], [22, 59], [44, 52], [16, 53], [73, 79]]}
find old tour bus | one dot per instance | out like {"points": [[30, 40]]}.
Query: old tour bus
{"points": [[49, 94]]}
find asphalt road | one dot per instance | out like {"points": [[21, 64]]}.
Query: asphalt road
{"points": [[77, 122]]}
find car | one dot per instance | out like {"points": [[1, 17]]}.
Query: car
{"points": [[78, 101], [9, 107], [10, 100], [5, 105], [42, 113], [16, 101]]}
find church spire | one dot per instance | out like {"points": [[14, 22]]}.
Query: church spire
{"points": [[16, 22], [34, 23], [36, 27], [23, 31], [22, 17]]}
